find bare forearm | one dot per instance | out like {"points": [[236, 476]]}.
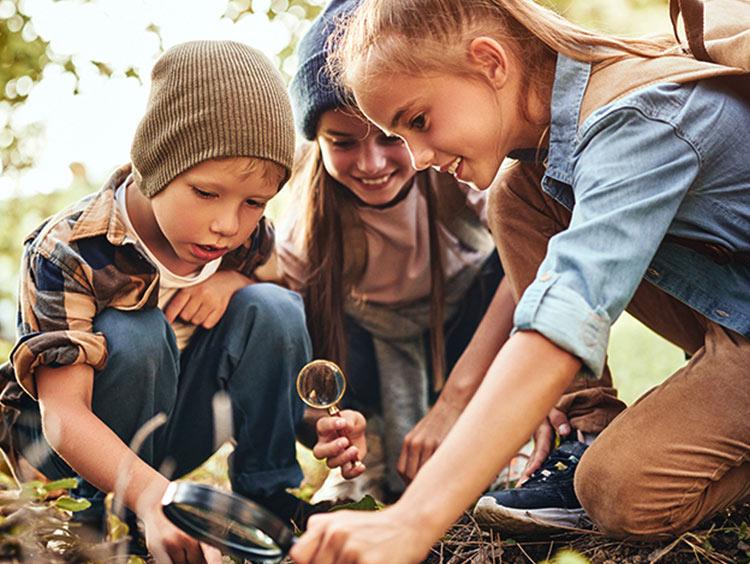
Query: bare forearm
{"points": [[94, 451], [525, 380], [86, 443], [491, 334]]}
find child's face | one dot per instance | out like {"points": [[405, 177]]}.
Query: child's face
{"points": [[357, 154], [449, 122], [210, 209]]}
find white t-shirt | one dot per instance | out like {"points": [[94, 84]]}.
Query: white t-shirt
{"points": [[169, 282]]}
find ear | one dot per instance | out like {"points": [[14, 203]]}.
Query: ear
{"points": [[490, 58]]}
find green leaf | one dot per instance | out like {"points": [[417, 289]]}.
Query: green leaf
{"points": [[367, 503], [568, 556], [70, 504], [103, 68], [64, 484]]}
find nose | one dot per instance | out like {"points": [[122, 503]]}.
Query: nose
{"points": [[226, 222], [371, 159], [421, 157]]}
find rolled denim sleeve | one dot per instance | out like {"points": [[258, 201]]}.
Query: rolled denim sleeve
{"points": [[630, 174]]}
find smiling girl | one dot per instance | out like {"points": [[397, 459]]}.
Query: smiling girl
{"points": [[631, 190], [397, 267]]}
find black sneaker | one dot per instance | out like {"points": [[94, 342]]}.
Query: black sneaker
{"points": [[544, 503]]}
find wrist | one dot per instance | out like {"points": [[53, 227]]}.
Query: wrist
{"points": [[424, 524], [148, 504], [455, 397]]}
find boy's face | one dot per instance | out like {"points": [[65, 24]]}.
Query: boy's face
{"points": [[211, 209]]}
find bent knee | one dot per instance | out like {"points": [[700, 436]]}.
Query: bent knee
{"points": [[133, 336], [623, 502], [274, 308]]}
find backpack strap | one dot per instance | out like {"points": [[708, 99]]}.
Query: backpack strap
{"points": [[692, 15], [615, 78]]}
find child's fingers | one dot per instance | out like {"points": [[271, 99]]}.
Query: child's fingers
{"points": [[542, 446], [351, 454], [175, 305], [331, 449], [353, 469], [190, 310], [200, 314], [329, 427], [559, 422], [212, 319]]}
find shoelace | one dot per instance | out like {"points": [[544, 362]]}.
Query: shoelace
{"points": [[558, 461]]}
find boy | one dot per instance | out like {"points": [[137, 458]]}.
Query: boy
{"points": [[137, 300]]}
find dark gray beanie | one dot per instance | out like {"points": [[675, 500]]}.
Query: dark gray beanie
{"points": [[312, 90], [211, 99]]}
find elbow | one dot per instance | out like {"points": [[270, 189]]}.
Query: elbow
{"points": [[53, 425]]}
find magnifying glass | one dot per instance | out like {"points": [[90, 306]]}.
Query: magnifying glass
{"points": [[321, 385], [232, 523]]}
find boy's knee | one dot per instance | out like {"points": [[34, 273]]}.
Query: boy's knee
{"points": [[135, 339], [274, 310]]}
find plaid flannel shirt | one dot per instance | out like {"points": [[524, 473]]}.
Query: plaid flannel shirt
{"points": [[77, 264]]}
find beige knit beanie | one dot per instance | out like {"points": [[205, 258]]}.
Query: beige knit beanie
{"points": [[211, 99]]}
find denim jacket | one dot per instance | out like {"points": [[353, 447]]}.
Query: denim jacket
{"points": [[666, 159]]}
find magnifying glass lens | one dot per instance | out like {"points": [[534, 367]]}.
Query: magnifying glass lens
{"points": [[231, 523], [227, 530]]}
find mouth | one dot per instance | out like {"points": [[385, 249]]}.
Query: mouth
{"points": [[376, 181], [207, 252], [452, 167]]}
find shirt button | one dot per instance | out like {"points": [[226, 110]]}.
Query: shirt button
{"points": [[652, 272], [722, 313], [545, 277]]}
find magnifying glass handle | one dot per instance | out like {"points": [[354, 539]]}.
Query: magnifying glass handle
{"points": [[334, 411]]}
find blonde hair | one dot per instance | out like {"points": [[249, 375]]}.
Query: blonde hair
{"points": [[420, 37]]}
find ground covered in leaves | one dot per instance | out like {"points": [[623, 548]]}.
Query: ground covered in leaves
{"points": [[724, 539], [35, 526]]}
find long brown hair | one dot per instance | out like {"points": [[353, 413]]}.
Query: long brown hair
{"points": [[420, 37], [330, 210]]}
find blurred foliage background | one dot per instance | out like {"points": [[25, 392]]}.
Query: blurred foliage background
{"points": [[639, 358]]}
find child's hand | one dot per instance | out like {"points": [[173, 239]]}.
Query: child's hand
{"points": [[204, 304], [167, 543], [544, 439], [424, 439], [342, 443]]}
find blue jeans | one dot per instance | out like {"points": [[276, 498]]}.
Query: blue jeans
{"points": [[253, 354]]}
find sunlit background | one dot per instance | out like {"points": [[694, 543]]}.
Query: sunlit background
{"points": [[74, 77]]}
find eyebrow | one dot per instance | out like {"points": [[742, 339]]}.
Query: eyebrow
{"points": [[340, 133]]}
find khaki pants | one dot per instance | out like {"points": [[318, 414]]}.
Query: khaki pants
{"points": [[681, 452]]}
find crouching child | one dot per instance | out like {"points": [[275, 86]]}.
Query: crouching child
{"points": [[140, 300]]}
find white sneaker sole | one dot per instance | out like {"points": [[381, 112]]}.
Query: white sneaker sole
{"points": [[489, 514]]}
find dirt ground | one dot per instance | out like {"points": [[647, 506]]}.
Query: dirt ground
{"points": [[724, 539]]}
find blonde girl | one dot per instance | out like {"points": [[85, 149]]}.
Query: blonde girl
{"points": [[631, 190], [396, 268]]}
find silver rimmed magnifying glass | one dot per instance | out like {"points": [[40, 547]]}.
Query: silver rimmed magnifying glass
{"points": [[232, 523]]}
